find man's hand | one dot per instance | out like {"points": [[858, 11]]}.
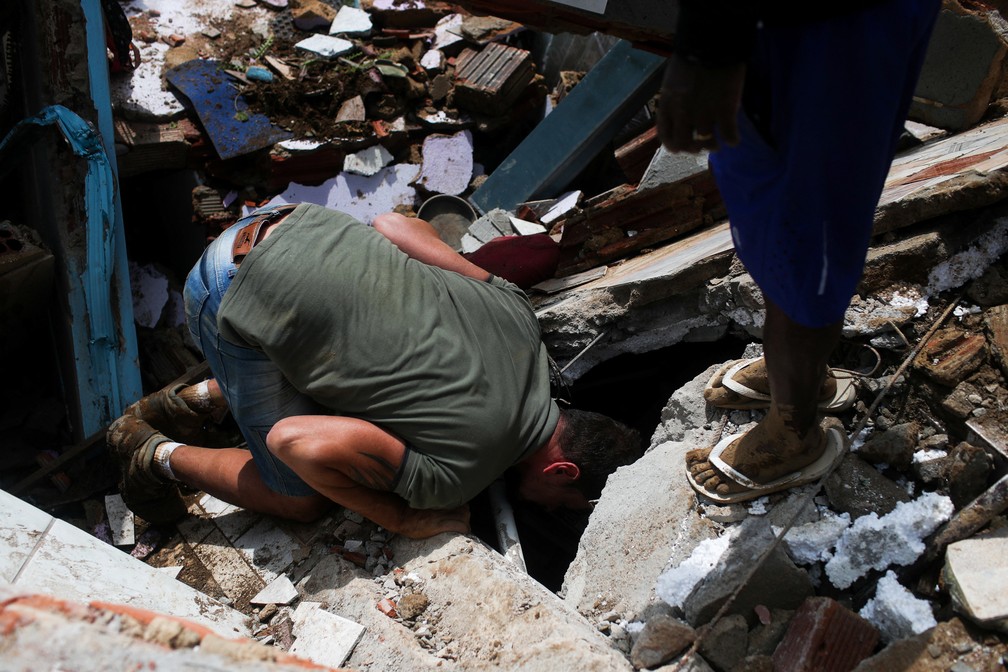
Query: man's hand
{"points": [[423, 523], [698, 105]]}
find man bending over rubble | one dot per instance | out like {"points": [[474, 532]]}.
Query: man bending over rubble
{"points": [[804, 104], [373, 367]]}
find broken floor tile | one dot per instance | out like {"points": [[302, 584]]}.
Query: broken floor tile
{"points": [[433, 60], [368, 161], [976, 577], [896, 612], [232, 520], [524, 228], [351, 21], [268, 549], [352, 109], [325, 46], [824, 636], [448, 31], [323, 637], [447, 163], [894, 539], [120, 521], [279, 591], [229, 567]]}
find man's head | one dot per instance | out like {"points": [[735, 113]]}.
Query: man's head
{"points": [[572, 469]]}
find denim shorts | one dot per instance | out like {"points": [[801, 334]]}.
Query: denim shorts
{"points": [[256, 392]]}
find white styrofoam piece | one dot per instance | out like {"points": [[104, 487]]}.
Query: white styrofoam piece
{"points": [[120, 520], [323, 637]]}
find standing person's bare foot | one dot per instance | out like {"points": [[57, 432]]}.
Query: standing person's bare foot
{"points": [[768, 458]]}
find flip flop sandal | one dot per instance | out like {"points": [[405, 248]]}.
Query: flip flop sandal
{"points": [[833, 450], [716, 394], [843, 397]]}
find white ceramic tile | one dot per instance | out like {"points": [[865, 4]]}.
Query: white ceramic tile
{"points": [[21, 526], [279, 591], [74, 565], [120, 520], [323, 637], [228, 567]]}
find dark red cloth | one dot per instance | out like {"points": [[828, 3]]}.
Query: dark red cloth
{"points": [[523, 260]]}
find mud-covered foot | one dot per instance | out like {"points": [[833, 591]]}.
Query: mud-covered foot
{"points": [[757, 460], [165, 411], [743, 384], [133, 442]]}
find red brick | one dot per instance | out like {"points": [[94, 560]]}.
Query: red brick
{"points": [[824, 636]]}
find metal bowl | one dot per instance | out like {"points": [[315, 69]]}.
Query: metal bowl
{"points": [[449, 215]]}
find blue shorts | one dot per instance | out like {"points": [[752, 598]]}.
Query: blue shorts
{"points": [[823, 108], [256, 392]]}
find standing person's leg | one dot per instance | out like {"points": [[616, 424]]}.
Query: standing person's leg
{"points": [[802, 218]]}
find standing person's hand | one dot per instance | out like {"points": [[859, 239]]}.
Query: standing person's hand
{"points": [[698, 105]]}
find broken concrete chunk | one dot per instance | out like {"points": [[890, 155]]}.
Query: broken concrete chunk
{"points": [[279, 591], [777, 583], [470, 243], [957, 403], [858, 488], [662, 638], [946, 647], [894, 446], [894, 539], [447, 163], [976, 577], [962, 70], [367, 161], [725, 644], [896, 612], [483, 230], [325, 46], [351, 21], [667, 167], [824, 636]]}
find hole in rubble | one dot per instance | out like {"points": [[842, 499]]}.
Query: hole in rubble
{"points": [[630, 388]]}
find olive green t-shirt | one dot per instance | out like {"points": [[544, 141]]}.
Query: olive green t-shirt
{"points": [[453, 366]]}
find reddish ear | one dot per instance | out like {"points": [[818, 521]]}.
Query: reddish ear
{"points": [[567, 470]]}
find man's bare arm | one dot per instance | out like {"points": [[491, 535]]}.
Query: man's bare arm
{"points": [[354, 463], [420, 241]]}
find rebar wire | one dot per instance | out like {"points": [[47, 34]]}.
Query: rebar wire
{"points": [[703, 631], [583, 351]]}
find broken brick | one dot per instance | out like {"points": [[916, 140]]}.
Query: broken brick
{"points": [[824, 636], [387, 607], [490, 80], [951, 355]]}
